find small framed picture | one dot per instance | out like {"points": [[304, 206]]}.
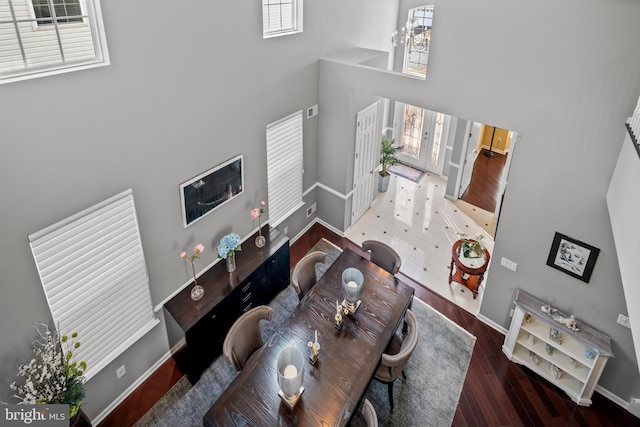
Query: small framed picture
{"points": [[572, 257], [555, 335]]}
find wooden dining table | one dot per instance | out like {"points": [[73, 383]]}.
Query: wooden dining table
{"points": [[349, 356]]}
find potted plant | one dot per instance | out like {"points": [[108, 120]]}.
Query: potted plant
{"points": [[388, 151]]}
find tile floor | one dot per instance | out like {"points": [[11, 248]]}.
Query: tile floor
{"points": [[422, 225]]}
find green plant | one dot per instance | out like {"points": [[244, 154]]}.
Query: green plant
{"points": [[52, 376], [471, 248], [388, 152]]}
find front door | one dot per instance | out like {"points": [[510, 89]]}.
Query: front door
{"points": [[365, 162], [421, 137]]}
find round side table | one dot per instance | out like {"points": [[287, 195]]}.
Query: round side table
{"points": [[469, 272]]}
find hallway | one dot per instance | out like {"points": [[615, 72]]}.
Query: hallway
{"points": [[422, 225]]}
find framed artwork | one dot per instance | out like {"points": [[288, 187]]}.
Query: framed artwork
{"points": [[555, 335], [572, 257], [204, 193]]}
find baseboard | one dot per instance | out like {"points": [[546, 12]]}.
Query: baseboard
{"points": [[491, 324], [106, 411]]}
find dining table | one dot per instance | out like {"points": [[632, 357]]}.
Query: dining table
{"points": [[348, 358]]}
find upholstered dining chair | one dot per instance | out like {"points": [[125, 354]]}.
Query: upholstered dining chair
{"points": [[369, 413], [383, 255], [244, 336], [304, 273], [397, 354]]}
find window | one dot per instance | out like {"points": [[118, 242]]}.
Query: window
{"points": [[45, 37], [284, 167], [280, 17], [418, 40], [95, 279]]}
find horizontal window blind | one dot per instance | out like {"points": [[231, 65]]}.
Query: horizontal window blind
{"points": [[279, 17], [284, 167], [95, 279]]}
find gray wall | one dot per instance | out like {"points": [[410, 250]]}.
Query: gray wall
{"points": [[182, 94], [565, 76]]}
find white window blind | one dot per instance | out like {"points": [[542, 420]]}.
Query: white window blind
{"points": [[281, 17], [95, 279], [284, 167], [45, 37]]}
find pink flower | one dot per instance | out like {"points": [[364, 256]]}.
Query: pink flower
{"points": [[255, 213], [184, 255], [262, 203], [198, 249]]}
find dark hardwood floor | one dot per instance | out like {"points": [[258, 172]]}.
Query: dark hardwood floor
{"points": [[496, 392], [484, 189]]}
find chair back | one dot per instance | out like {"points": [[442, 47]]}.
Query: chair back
{"points": [[304, 273], [244, 336], [396, 362], [383, 255], [369, 413]]}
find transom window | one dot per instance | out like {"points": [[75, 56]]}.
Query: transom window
{"points": [[281, 17], [45, 37]]}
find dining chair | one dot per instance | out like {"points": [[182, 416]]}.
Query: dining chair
{"points": [[244, 336], [395, 357], [383, 255], [369, 413], [304, 273]]}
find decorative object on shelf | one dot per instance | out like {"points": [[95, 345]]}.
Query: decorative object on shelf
{"points": [[534, 357], [206, 192], [549, 349], [574, 362], [227, 249], [290, 375], [556, 372], [570, 321], [573, 257], [471, 248], [197, 291], [315, 349], [352, 281], [52, 376], [555, 335], [590, 353], [528, 319], [547, 309], [256, 214], [531, 339]]}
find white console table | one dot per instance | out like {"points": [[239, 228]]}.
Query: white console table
{"points": [[566, 363]]}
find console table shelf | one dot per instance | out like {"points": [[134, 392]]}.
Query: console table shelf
{"points": [[564, 363], [197, 329]]}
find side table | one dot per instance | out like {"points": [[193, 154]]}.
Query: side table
{"points": [[469, 272]]}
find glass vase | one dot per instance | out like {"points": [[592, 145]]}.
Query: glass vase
{"points": [[260, 241], [231, 262], [197, 292]]}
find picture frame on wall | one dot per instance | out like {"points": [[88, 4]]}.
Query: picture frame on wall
{"points": [[206, 192], [572, 257]]}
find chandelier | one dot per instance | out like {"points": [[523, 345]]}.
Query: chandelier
{"points": [[416, 32]]}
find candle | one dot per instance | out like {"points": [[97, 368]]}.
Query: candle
{"points": [[290, 371], [337, 307], [352, 284], [316, 341]]}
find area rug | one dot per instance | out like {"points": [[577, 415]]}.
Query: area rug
{"points": [[406, 171], [428, 397]]}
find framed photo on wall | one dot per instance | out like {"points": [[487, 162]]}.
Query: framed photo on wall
{"points": [[572, 257], [206, 192]]}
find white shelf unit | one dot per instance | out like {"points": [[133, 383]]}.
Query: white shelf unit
{"points": [[528, 338]]}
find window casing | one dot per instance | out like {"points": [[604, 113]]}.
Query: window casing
{"points": [[281, 17], [45, 37]]}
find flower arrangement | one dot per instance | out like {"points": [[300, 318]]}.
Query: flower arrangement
{"points": [[52, 376], [471, 248], [256, 214], [228, 245], [199, 248]]}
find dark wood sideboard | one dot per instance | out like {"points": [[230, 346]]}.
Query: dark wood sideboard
{"points": [[196, 329]]}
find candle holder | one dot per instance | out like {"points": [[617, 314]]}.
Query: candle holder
{"points": [[290, 375], [340, 312], [315, 350], [352, 281]]}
